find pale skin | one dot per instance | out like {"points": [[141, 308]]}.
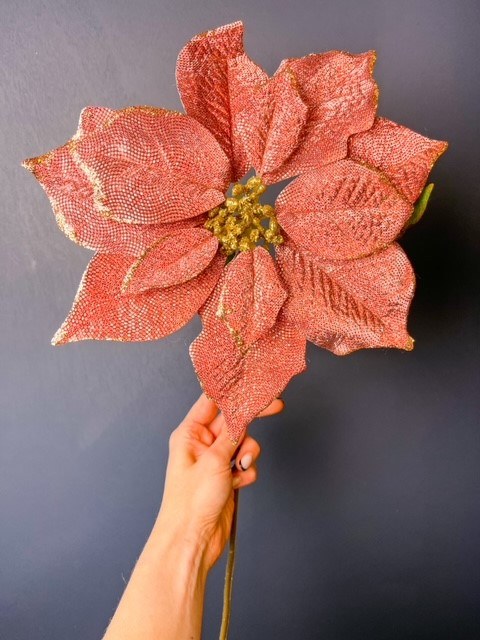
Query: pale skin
{"points": [[164, 597]]}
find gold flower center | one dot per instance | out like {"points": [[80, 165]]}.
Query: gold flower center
{"points": [[242, 222]]}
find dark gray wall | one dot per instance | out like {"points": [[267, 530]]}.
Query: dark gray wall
{"points": [[365, 521]]}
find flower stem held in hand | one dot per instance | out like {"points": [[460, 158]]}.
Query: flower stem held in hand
{"points": [[227, 592], [165, 594]]}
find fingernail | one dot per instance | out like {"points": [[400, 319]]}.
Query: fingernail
{"points": [[235, 482], [246, 461]]}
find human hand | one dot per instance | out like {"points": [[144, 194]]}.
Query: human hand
{"points": [[198, 500]]}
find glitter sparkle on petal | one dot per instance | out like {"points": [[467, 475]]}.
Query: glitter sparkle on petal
{"points": [[146, 189]]}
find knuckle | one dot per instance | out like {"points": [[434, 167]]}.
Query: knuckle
{"points": [[217, 457]]}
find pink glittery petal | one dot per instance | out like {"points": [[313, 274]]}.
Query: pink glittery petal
{"points": [[248, 98], [92, 118], [102, 312], [268, 116], [345, 306], [286, 117], [341, 95], [150, 166], [72, 198], [243, 381], [251, 296], [342, 211], [203, 82], [405, 156], [174, 259]]}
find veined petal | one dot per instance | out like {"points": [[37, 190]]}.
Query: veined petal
{"points": [[72, 197], [287, 116], [203, 83], [341, 95], [150, 166], [257, 120], [243, 381], [405, 156], [247, 102], [345, 306], [342, 211], [173, 259], [251, 296], [268, 116], [102, 312]]}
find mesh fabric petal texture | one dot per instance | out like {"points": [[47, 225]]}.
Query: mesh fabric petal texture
{"points": [[257, 120], [267, 115], [356, 304], [341, 95], [102, 312], [72, 196], [203, 83], [403, 155], [297, 120], [150, 165], [342, 211], [91, 118], [251, 296], [174, 259], [244, 380]]}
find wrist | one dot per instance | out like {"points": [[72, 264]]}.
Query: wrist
{"points": [[172, 564], [181, 539]]}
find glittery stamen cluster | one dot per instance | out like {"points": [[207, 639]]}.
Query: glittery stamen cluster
{"points": [[239, 223]]}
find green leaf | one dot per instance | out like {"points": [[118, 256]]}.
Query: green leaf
{"points": [[420, 205]]}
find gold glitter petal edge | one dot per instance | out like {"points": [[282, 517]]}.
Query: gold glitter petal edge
{"points": [[102, 312]]}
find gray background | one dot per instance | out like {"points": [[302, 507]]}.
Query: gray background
{"points": [[365, 521]]}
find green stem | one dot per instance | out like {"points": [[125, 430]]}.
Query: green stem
{"points": [[420, 205]]}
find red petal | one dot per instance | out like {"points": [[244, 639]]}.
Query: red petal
{"points": [[341, 211], [172, 260], [203, 83], [92, 118], [101, 312], [251, 296], [248, 93], [342, 97], [287, 117], [152, 166], [405, 156], [72, 199], [268, 116], [352, 305], [243, 381]]}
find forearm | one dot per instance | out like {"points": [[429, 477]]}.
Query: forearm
{"points": [[164, 597]]}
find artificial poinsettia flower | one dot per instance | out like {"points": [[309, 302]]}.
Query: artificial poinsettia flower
{"points": [[163, 199]]}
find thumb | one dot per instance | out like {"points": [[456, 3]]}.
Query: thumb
{"points": [[224, 446]]}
